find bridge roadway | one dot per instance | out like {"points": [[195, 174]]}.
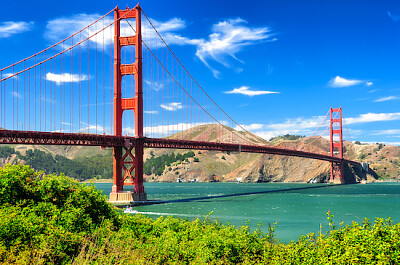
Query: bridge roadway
{"points": [[55, 138]]}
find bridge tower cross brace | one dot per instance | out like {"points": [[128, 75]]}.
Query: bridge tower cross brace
{"points": [[123, 159], [336, 147]]}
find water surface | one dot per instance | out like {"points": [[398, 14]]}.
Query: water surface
{"points": [[296, 207]]}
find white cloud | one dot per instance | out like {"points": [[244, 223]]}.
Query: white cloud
{"points": [[373, 90], [269, 134], [167, 30], [244, 90], [343, 82], [386, 143], [65, 78], [386, 98], [393, 132], [297, 124], [63, 27], [173, 106], [163, 130], [91, 128], [151, 112], [306, 126], [227, 39], [373, 117], [301, 126], [157, 86], [10, 74], [10, 28], [16, 94], [254, 126]]}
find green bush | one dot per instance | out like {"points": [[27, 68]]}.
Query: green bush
{"points": [[47, 213], [55, 220], [157, 165]]}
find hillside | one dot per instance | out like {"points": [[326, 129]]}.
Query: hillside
{"points": [[230, 166]]}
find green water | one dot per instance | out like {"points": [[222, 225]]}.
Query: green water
{"points": [[297, 208]]}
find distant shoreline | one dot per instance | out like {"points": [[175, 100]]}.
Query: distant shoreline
{"points": [[96, 181]]}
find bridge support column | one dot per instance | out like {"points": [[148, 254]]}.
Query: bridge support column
{"points": [[124, 160], [336, 145]]}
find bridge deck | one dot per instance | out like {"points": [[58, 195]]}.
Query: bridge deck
{"points": [[54, 138]]}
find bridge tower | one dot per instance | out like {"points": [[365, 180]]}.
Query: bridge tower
{"points": [[336, 144], [124, 161]]}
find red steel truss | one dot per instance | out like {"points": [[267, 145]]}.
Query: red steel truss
{"points": [[128, 143], [54, 138]]}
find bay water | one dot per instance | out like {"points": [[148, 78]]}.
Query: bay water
{"points": [[296, 208]]}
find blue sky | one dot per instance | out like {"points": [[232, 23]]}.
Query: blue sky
{"points": [[275, 66]]}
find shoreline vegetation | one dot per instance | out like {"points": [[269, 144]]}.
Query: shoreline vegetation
{"points": [[50, 219]]}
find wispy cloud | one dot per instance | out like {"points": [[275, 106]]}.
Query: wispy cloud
{"points": [[393, 17], [300, 126], [343, 82], [10, 74], [306, 126], [387, 98], [151, 112], [227, 39], [245, 90], [163, 130], [373, 91], [65, 78], [16, 94], [251, 127], [12, 27], [65, 26], [168, 30], [157, 86], [373, 117], [369, 83], [173, 106], [393, 132]]}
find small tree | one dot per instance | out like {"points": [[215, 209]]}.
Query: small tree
{"points": [[196, 159], [223, 157]]}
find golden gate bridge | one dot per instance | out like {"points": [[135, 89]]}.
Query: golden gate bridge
{"points": [[116, 83]]}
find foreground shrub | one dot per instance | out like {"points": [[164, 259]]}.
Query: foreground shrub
{"points": [[47, 213], [55, 220]]}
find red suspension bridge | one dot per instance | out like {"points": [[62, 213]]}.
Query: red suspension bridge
{"points": [[116, 83]]}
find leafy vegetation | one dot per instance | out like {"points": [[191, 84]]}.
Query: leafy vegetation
{"points": [[47, 216], [99, 166], [156, 165], [55, 220], [6, 151], [80, 168], [287, 137]]}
